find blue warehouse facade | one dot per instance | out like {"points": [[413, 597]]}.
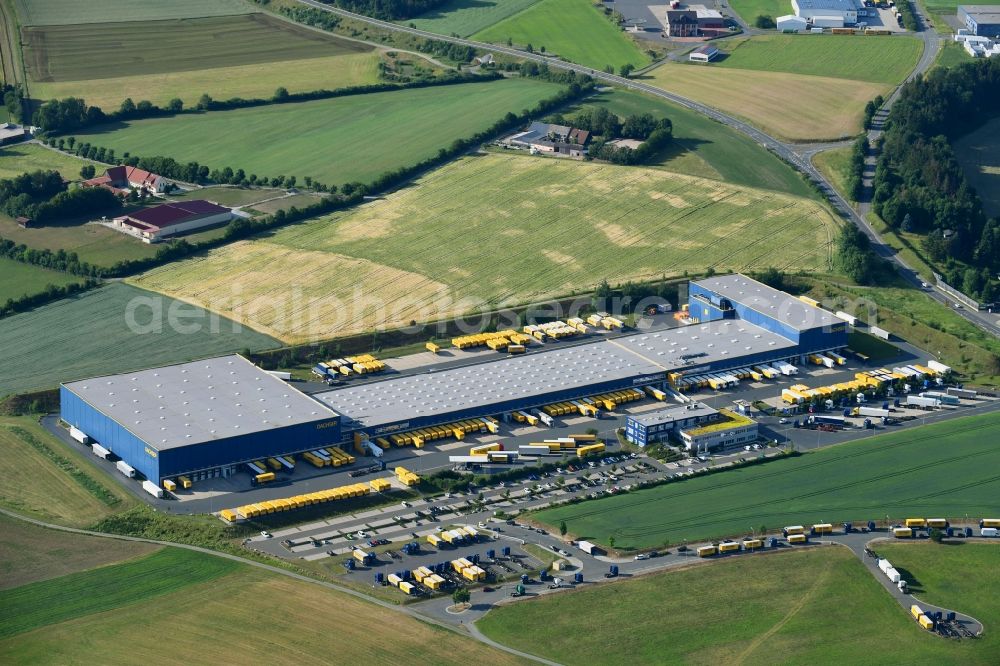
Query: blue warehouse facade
{"points": [[164, 425]]}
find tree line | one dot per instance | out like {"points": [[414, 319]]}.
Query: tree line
{"points": [[42, 197], [919, 184], [49, 294], [387, 10], [855, 186]]}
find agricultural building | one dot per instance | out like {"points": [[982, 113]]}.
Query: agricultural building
{"points": [[159, 222], [727, 430], [122, 179], [827, 13], [704, 53], [11, 133], [791, 23], [982, 20], [740, 297], [200, 419], [652, 427]]}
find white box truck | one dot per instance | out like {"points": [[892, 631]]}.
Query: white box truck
{"points": [[125, 469], [152, 489]]}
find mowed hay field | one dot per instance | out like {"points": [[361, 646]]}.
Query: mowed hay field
{"points": [[815, 606], [248, 56], [19, 158], [979, 155], [210, 610], [495, 230], [355, 138], [18, 279], [886, 60], [572, 29], [465, 17], [43, 478], [792, 106], [70, 12], [947, 469], [29, 554], [90, 335]]}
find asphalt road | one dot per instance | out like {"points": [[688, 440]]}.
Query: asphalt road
{"points": [[799, 156]]}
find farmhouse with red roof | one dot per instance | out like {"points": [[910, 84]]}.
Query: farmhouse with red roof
{"points": [[120, 179]]}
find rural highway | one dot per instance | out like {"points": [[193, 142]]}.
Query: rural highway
{"points": [[799, 156]]}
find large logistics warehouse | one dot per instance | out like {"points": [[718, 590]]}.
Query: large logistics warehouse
{"points": [[200, 419], [209, 416]]}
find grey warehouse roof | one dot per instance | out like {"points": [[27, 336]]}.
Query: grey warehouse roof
{"points": [[698, 344], [190, 403], [769, 301], [840, 5], [674, 413], [452, 390], [983, 13]]}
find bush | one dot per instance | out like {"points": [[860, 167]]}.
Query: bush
{"points": [[764, 22]]}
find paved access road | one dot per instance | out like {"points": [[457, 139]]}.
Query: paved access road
{"points": [[797, 155]]}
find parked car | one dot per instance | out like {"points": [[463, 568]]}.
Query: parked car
{"points": [[265, 534], [641, 556]]}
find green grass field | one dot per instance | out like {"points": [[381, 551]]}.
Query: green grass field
{"points": [[835, 164], [951, 54], [571, 29], [942, 468], [466, 17], [214, 612], [17, 279], [951, 576], [751, 9], [495, 230], [70, 12], [979, 155], [875, 59], [43, 478], [913, 316], [249, 55], [24, 157], [703, 147], [819, 606], [362, 136], [89, 335], [29, 554], [870, 346], [106, 588]]}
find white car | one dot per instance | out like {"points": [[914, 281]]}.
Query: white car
{"points": [[265, 534], [782, 420], [641, 556], [405, 504], [362, 534]]}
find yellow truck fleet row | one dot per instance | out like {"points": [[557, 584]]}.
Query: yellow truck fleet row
{"points": [[361, 364], [330, 456], [458, 430], [862, 381], [298, 501]]}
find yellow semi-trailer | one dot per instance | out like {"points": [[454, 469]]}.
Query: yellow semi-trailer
{"points": [[794, 529], [752, 544], [266, 477], [169, 485], [584, 437], [989, 522], [798, 538], [433, 348], [274, 464], [926, 622], [916, 611], [916, 522], [729, 547], [706, 551], [937, 523], [902, 532], [185, 482], [823, 528]]}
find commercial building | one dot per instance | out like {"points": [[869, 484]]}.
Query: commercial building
{"points": [[727, 430], [200, 419], [682, 23], [658, 426], [206, 418], [827, 13], [159, 222], [982, 20], [11, 133]]}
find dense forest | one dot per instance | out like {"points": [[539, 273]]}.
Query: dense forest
{"points": [[919, 185], [43, 197]]}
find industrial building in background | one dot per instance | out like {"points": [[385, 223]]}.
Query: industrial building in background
{"points": [[204, 419], [981, 20], [827, 13]]}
